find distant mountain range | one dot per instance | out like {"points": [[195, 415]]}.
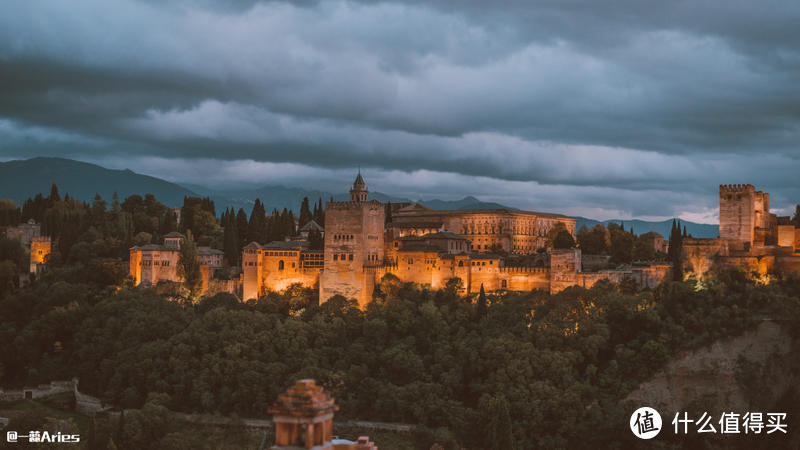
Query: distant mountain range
{"points": [[698, 230], [22, 179]]}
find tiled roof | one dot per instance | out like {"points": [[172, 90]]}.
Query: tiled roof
{"points": [[174, 234], [450, 212], [154, 247], [436, 225], [311, 226], [443, 235], [485, 256], [420, 247], [283, 245]]}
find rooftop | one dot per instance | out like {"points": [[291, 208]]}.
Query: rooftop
{"points": [[415, 224], [312, 226], [420, 210]]}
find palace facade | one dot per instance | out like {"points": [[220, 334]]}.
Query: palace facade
{"points": [[149, 264], [424, 246]]}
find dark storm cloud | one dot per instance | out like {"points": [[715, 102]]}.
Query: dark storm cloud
{"points": [[631, 96]]}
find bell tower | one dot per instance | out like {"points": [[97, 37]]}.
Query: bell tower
{"points": [[358, 194]]}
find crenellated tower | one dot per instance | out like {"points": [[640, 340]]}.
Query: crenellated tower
{"points": [[744, 217]]}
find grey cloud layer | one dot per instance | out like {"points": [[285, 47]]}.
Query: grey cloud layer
{"points": [[628, 95]]}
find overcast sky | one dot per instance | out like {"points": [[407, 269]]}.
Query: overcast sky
{"points": [[612, 109]]}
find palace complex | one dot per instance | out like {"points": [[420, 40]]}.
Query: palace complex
{"points": [[424, 246], [497, 249]]}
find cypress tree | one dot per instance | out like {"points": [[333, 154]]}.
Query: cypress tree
{"points": [[231, 239], [241, 227], [676, 251], [499, 433], [189, 266], [305, 213], [388, 212], [482, 307], [54, 197], [257, 226]]}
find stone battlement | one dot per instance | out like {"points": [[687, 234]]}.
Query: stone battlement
{"points": [[727, 188], [522, 270]]}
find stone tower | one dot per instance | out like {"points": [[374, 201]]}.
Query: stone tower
{"points": [[358, 193], [40, 251], [353, 245], [744, 217], [303, 417]]}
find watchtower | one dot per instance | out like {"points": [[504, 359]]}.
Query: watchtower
{"points": [[741, 209]]}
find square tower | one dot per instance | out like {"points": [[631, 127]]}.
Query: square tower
{"points": [[354, 241], [738, 214]]}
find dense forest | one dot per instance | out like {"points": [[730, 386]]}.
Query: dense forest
{"points": [[512, 370]]}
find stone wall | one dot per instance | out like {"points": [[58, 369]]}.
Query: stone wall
{"points": [[42, 390], [564, 267]]}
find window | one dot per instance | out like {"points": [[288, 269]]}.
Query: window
{"points": [[461, 264], [503, 284], [280, 265], [335, 257], [410, 260], [350, 257]]}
